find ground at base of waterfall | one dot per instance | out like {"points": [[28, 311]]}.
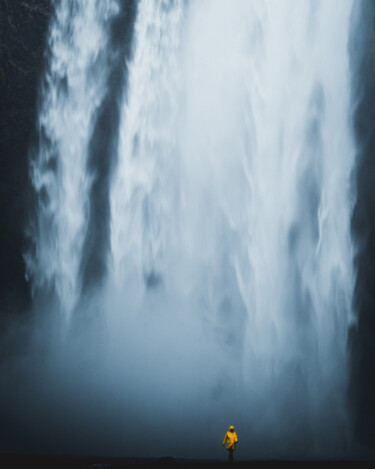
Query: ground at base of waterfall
{"points": [[15, 461]]}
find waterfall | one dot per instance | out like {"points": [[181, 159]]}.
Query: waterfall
{"points": [[230, 262], [72, 92], [141, 192]]}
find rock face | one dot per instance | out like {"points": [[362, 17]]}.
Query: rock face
{"points": [[23, 31], [361, 337]]}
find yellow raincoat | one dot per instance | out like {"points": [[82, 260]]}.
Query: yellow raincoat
{"points": [[230, 438]]}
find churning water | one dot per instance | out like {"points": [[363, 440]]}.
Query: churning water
{"points": [[226, 294]]}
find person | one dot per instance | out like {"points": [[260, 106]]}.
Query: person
{"points": [[231, 440]]}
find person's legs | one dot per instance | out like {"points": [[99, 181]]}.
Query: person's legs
{"points": [[230, 457]]}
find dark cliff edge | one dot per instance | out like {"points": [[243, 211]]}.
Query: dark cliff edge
{"points": [[361, 337], [23, 31]]}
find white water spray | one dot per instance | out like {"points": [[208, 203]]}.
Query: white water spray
{"points": [[143, 187], [228, 297], [72, 91]]}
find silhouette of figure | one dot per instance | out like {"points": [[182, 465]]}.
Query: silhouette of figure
{"points": [[231, 440]]}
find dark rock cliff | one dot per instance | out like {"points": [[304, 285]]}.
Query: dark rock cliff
{"points": [[23, 31]]}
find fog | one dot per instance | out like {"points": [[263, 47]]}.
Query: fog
{"points": [[190, 257]]}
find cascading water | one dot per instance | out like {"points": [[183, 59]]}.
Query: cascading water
{"points": [[72, 92], [228, 293], [142, 187]]}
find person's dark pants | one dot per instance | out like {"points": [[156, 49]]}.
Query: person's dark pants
{"points": [[230, 455]]}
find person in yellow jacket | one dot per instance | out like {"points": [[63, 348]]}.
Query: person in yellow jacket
{"points": [[231, 440]]}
